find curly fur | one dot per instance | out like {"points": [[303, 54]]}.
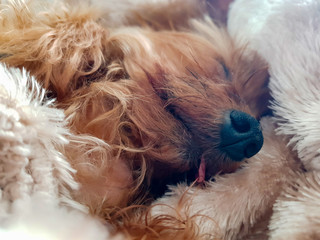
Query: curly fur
{"points": [[145, 101]]}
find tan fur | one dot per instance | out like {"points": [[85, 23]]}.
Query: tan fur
{"points": [[235, 206], [296, 212], [139, 98]]}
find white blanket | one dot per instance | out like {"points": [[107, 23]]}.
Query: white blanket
{"points": [[34, 176], [286, 33]]}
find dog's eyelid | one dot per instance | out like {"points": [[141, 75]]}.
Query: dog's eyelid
{"points": [[227, 72], [194, 74], [4, 55], [225, 69]]}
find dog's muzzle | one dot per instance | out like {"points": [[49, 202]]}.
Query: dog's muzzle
{"points": [[241, 135]]}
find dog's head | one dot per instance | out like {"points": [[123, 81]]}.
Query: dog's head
{"points": [[215, 93], [221, 124], [168, 103]]}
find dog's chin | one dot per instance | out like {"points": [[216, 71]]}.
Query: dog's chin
{"points": [[207, 170], [204, 169]]}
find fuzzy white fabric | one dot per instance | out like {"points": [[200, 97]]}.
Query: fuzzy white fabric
{"points": [[296, 213], [34, 176], [30, 132], [286, 33], [42, 218]]}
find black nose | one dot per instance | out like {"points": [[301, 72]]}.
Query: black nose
{"points": [[241, 135]]}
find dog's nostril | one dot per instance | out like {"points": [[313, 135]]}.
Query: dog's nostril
{"points": [[241, 136], [240, 121], [250, 150]]}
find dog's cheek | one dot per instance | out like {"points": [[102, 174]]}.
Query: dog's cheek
{"points": [[251, 79], [257, 94]]}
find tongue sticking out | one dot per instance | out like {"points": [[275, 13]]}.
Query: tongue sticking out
{"points": [[201, 171]]}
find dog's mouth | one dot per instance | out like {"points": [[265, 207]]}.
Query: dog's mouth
{"points": [[240, 137], [201, 174]]}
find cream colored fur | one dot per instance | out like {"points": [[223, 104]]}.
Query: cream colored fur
{"points": [[31, 134], [286, 34], [35, 178]]}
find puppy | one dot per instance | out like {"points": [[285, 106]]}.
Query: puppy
{"points": [[152, 104]]}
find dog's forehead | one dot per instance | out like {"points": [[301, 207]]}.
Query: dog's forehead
{"points": [[181, 55]]}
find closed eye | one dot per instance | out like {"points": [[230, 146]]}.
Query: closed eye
{"points": [[226, 71]]}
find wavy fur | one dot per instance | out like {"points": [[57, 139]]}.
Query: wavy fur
{"points": [[145, 102]]}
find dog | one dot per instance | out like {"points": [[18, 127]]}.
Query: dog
{"points": [[157, 99]]}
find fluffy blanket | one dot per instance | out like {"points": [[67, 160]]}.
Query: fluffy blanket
{"points": [[35, 178], [286, 33]]}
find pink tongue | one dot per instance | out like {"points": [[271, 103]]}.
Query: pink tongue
{"points": [[201, 171]]}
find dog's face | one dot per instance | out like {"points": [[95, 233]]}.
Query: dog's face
{"points": [[190, 105], [210, 109], [205, 89], [170, 105]]}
